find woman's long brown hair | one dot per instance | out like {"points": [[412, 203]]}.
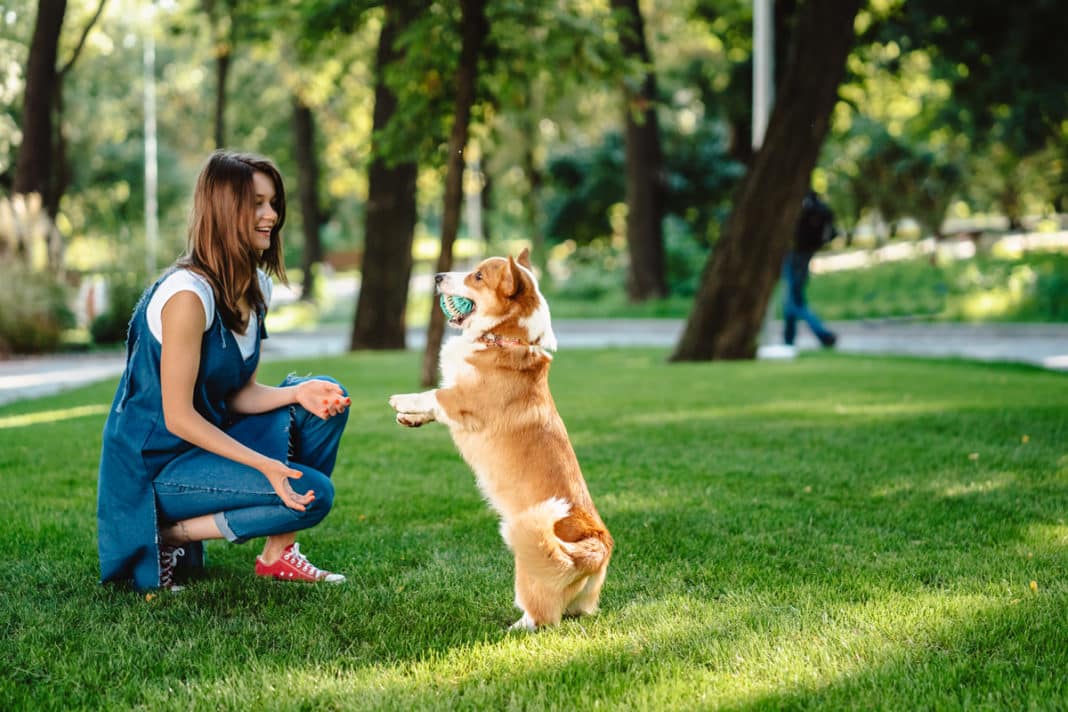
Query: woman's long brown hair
{"points": [[220, 233]]}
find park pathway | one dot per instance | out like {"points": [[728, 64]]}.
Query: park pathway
{"points": [[1043, 345]]}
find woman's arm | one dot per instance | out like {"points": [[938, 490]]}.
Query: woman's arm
{"points": [[323, 398], [183, 329]]}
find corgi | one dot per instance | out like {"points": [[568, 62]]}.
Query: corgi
{"points": [[494, 398]]}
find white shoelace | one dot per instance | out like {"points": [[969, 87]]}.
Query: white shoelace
{"points": [[301, 563], [168, 559]]}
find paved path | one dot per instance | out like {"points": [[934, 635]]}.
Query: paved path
{"points": [[1044, 345]]}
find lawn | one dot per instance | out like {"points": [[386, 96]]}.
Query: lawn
{"points": [[1031, 287], [830, 533]]}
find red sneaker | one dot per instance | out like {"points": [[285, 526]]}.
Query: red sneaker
{"points": [[294, 566]]}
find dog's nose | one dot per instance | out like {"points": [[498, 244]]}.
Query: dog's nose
{"points": [[438, 277]]}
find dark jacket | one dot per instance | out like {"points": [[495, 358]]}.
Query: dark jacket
{"points": [[815, 228]]}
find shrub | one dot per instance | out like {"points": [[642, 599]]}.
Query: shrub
{"points": [[33, 311], [123, 292]]}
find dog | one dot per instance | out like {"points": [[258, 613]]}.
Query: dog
{"points": [[494, 398]]}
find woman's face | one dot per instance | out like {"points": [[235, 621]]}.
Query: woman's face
{"points": [[266, 216]]}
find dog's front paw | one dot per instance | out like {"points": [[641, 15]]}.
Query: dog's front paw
{"points": [[414, 420], [410, 403], [413, 409]]}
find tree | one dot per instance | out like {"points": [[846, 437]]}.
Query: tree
{"points": [[42, 164], [474, 29], [644, 165], [391, 208], [1009, 91], [36, 163], [308, 186], [741, 272]]}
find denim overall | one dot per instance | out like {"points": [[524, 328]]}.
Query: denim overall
{"points": [[146, 472]]}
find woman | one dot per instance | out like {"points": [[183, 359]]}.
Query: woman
{"points": [[194, 448]]}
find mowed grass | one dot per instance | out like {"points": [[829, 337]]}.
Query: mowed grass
{"points": [[830, 533]]}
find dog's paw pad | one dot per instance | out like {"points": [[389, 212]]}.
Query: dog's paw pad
{"points": [[410, 420]]}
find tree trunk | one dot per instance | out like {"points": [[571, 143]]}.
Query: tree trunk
{"points": [[644, 166], [308, 179], [34, 172], [741, 272], [532, 208], [474, 28], [222, 70], [389, 222]]}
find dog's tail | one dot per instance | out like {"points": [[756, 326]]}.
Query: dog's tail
{"points": [[554, 538]]}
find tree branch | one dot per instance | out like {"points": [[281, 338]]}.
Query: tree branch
{"points": [[81, 42]]}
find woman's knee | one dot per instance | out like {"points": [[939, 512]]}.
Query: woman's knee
{"points": [[292, 380]]}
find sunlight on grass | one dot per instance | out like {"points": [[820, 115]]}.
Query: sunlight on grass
{"points": [[891, 409], [964, 489], [1056, 534], [681, 650], [784, 408], [51, 416]]}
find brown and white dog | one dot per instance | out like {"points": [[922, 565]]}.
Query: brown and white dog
{"points": [[494, 397]]}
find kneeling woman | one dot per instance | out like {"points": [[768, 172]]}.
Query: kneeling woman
{"points": [[194, 448]]}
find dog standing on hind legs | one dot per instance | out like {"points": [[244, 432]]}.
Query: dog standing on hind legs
{"points": [[494, 398]]}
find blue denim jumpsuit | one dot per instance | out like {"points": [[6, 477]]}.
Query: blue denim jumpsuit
{"points": [[148, 475]]}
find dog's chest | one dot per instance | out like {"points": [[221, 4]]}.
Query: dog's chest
{"points": [[454, 361]]}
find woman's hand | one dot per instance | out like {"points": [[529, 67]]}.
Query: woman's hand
{"points": [[323, 398], [279, 475]]}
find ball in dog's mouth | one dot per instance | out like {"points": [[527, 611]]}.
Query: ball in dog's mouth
{"points": [[456, 308]]}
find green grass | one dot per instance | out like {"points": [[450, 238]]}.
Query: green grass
{"points": [[831, 533], [1027, 288], [1032, 287]]}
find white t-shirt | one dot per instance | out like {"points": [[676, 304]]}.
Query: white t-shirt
{"points": [[183, 280]]}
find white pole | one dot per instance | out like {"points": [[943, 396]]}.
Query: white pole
{"points": [[763, 68], [763, 98], [151, 152]]}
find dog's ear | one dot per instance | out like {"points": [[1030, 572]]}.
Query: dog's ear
{"points": [[524, 258], [512, 283]]}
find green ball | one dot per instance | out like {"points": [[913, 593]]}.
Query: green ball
{"points": [[454, 306]]}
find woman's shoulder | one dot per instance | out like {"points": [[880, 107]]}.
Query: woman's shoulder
{"points": [[180, 280]]}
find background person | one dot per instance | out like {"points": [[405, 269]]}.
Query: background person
{"points": [[815, 229]]}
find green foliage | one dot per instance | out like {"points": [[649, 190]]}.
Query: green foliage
{"points": [[698, 177], [123, 290], [595, 272], [828, 533], [33, 310], [1032, 287]]}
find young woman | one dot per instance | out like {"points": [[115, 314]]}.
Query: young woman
{"points": [[194, 448]]}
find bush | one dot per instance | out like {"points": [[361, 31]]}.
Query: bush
{"points": [[33, 311], [123, 293]]}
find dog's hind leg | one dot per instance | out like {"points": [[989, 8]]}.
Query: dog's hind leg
{"points": [[586, 602], [541, 601]]}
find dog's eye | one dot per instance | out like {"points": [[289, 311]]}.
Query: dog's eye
{"points": [[478, 276]]}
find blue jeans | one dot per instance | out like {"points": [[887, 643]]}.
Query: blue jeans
{"points": [[241, 498], [795, 274]]}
